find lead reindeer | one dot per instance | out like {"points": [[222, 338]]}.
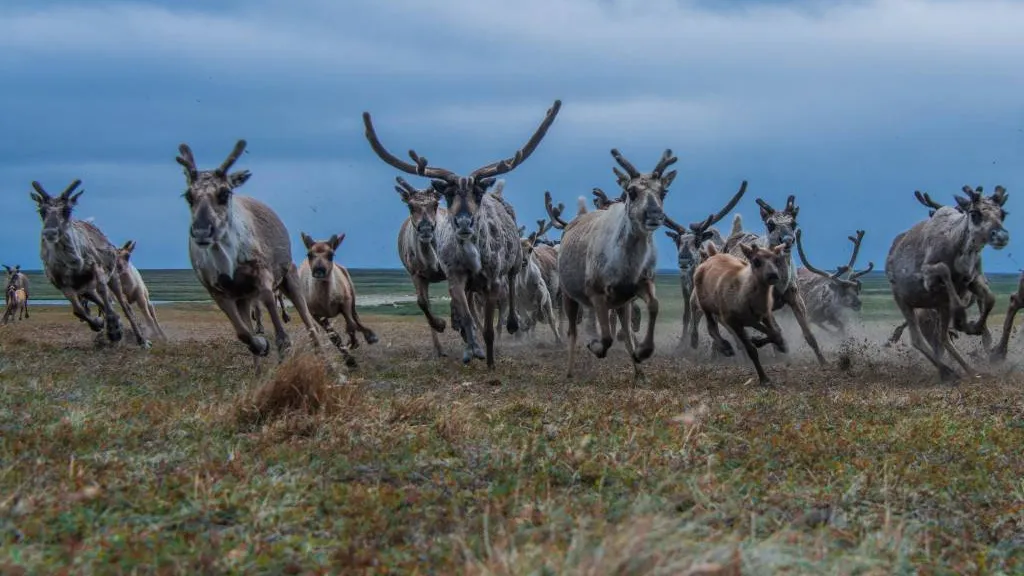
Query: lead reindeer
{"points": [[135, 290], [689, 255], [480, 249], [240, 251], [608, 258], [829, 296], [934, 263], [780, 228], [738, 292], [329, 292], [18, 279], [79, 260]]}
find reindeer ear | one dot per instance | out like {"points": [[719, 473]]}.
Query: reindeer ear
{"points": [[236, 179], [306, 240], [128, 246], [963, 203], [747, 249], [666, 181], [707, 235], [336, 240], [401, 192], [673, 235]]}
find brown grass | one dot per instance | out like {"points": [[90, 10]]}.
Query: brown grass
{"points": [[180, 461]]}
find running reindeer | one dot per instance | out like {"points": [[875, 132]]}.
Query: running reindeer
{"points": [[938, 260], [135, 290], [18, 279], [689, 255], [738, 292], [79, 260], [780, 228], [240, 251], [15, 302], [928, 318], [418, 248], [608, 258], [534, 291], [329, 292], [480, 248], [829, 296]]}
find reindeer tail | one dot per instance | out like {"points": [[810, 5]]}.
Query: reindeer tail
{"points": [[737, 225], [581, 204]]}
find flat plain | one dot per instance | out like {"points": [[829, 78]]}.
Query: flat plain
{"points": [[180, 460]]}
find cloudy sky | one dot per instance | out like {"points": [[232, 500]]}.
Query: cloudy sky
{"points": [[849, 105]]}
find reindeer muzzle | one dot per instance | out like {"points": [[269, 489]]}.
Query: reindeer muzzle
{"points": [[201, 235], [788, 240], [999, 238], [463, 227], [51, 235], [773, 278], [425, 231], [319, 272], [653, 219]]}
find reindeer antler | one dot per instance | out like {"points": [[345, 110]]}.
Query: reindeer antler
{"points": [[926, 200], [853, 257], [502, 166], [667, 159], [404, 187], [807, 264], [765, 206], [542, 227], [555, 213], [420, 169], [188, 161], [626, 165], [698, 228], [602, 202]]}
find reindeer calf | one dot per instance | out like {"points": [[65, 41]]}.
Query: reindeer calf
{"points": [[328, 291], [135, 291], [738, 294], [17, 303]]}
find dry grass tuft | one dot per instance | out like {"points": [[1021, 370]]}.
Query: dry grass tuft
{"points": [[300, 384]]}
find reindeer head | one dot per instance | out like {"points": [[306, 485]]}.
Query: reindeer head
{"points": [[767, 264], [55, 212], [462, 194], [321, 254], [209, 194], [124, 254], [530, 242], [780, 225], [985, 216], [845, 291], [689, 241], [645, 193], [423, 205]]}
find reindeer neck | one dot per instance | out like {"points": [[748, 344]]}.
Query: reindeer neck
{"points": [[759, 295], [628, 234]]}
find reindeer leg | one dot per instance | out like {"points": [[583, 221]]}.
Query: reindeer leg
{"points": [[257, 317], [549, 313], [600, 347], [623, 313], [795, 301], [947, 344], [896, 335], [280, 304], [267, 299], [986, 302], [491, 301], [111, 319], [258, 345], [687, 312], [95, 324], [461, 307], [335, 339], [718, 344], [350, 326], [291, 288], [917, 340], [512, 322], [572, 312], [741, 336], [369, 335], [999, 352], [151, 310], [696, 314], [423, 301], [647, 293]]}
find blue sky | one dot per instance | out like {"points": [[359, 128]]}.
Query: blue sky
{"points": [[849, 105]]}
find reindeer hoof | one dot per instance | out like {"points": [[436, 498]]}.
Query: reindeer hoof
{"points": [[643, 353], [997, 356], [145, 344], [946, 374], [597, 348], [438, 326], [114, 332], [725, 349], [766, 382], [350, 361], [353, 343], [467, 356], [513, 324], [260, 346], [371, 338]]}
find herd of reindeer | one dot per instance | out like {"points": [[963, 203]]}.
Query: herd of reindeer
{"points": [[594, 275]]}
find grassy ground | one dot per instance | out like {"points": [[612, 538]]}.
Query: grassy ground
{"points": [[123, 461]]}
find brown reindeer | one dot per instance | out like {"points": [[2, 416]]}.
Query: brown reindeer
{"points": [[1016, 303], [780, 228], [16, 302], [18, 279], [135, 290], [608, 258], [240, 252], [935, 263], [480, 249], [738, 292], [78, 259], [533, 290], [689, 255], [829, 296], [329, 292]]}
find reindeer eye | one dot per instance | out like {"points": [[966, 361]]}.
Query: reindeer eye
{"points": [[976, 216], [223, 195], [188, 196], [770, 226], [756, 262]]}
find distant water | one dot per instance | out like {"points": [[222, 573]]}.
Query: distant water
{"points": [[390, 291]]}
